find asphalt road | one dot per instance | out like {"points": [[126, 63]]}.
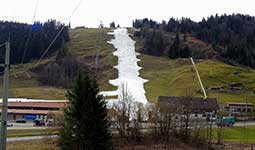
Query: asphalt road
{"points": [[15, 139], [24, 126], [244, 123]]}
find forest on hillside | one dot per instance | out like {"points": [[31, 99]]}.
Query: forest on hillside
{"points": [[31, 39], [231, 36]]}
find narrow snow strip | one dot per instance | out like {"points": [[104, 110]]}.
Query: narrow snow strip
{"points": [[128, 69]]}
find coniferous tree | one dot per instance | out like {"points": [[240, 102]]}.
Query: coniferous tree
{"points": [[232, 36], [158, 43], [185, 52], [174, 51], [29, 42], [112, 25], [86, 125]]}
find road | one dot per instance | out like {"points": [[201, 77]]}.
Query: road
{"points": [[24, 126], [248, 123], [29, 126], [15, 139]]}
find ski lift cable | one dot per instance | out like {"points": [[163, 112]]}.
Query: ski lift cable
{"points": [[30, 33], [57, 35]]}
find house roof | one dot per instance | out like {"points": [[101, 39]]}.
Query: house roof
{"points": [[28, 111], [37, 104], [195, 103]]}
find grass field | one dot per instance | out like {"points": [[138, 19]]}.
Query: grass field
{"points": [[44, 144], [83, 44], [178, 78], [238, 134], [31, 132]]}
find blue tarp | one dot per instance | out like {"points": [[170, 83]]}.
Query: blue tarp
{"points": [[30, 117]]}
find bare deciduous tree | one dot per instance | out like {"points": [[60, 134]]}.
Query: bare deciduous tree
{"points": [[123, 109]]}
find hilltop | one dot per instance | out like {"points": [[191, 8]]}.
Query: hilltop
{"points": [[83, 47]]}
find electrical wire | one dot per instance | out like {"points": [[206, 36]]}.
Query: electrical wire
{"points": [[2, 44], [30, 33], [55, 38]]}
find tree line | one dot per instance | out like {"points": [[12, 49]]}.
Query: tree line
{"points": [[157, 42], [33, 39], [232, 36]]}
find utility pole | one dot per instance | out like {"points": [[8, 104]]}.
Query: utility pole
{"points": [[5, 97], [98, 46]]}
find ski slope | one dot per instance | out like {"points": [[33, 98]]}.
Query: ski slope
{"points": [[128, 69]]}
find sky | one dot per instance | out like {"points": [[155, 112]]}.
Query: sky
{"points": [[123, 12]]}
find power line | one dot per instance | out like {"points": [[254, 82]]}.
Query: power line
{"points": [[55, 38], [30, 33], [2, 44]]}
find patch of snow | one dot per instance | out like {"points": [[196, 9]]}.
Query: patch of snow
{"points": [[128, 69]]}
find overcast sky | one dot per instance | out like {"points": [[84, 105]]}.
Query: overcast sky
{"points": [[91, 12]]}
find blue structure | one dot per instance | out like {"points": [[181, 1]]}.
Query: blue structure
{"points": [[36, 26], [30, 117]]}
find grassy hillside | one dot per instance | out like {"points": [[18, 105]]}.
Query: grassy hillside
{"points": [[26, 86], [83, 45], [177, 77]]}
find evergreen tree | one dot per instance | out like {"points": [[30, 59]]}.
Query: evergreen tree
{"points": [[174, 51], [62, 52], [112, 25], [32, 39], [232, 36], [86, 125], [185, 52], [184, 37]]}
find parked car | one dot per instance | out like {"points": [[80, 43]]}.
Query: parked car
{"points": [[9, 124], [50, 122], [226, 121], [39, 123], [21, 121]]}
